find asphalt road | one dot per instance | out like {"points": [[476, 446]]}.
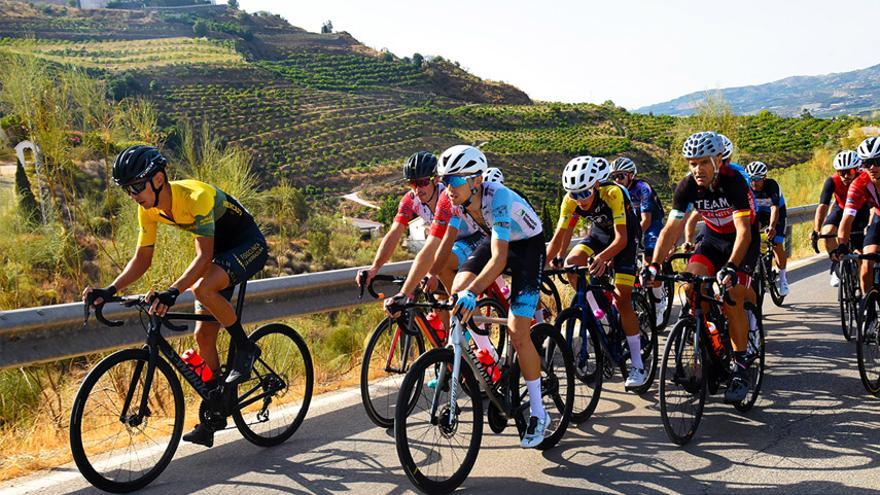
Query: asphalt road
{"points": [[814, 430]]}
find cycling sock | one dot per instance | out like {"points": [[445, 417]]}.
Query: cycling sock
{"points": [[536, 406], [782, 274], [236, 333], [484, 343], [658, 293], [635, 350]]}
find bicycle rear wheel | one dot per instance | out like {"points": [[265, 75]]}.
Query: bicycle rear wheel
{"points": [[551, 302], [649, 339], [868, 348], [387, 357], [438, 446], [274, 402], [112, 449], [850, 314], [683, 383], [588, 357], [772, 276], [557, 384], [755, 359]]}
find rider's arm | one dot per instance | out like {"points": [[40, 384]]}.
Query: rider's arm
{"points": [[388, 245], [845, 229], [135, 268], [855, 200], [646, 220], [558, 242], [743, 226], [774, 216], [670, 233], [421, 264], [199, 265], [564, 229], [819, 219], [690, 227], [614, 198], [444, 251], [825, 198]]}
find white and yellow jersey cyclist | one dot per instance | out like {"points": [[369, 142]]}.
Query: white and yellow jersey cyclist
{"points": [[612, 240]]}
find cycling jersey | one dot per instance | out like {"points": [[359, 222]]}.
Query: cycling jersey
{"points": [[737, 167], [834, 187], [644, 200], [611, 207], [411, 207], [862, 192], [506, 214], [729, 197], [770, 195], [202, 209]]}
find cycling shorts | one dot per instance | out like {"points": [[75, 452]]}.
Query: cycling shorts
{"points": [[714, 251], [241, 261], [872, 235], [624, 262], [464, 247], [525, 260], [764, 221], [857, 234]]}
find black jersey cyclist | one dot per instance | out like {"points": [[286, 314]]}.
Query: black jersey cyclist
{"points": [[730, 246], [229, 249], [772, 215], [612, 240]]}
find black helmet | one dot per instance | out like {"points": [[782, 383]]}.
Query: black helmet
{"points": [[420, 165], [136, 163]]}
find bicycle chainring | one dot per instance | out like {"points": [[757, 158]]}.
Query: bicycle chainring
{"points": [[211, 415]]}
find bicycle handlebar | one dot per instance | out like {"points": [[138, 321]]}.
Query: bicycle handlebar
{"points": [[583, 271], [139, 301], [381, 278]]}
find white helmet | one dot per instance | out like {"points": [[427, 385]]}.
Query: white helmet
{"points": [[623, 164], [846, 160], [757, 169], [702, 144], [728, 147], [583, 172], [869, 149], [462, 160], [493, 174]]}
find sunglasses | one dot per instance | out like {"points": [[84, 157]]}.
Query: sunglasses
{"points": [[577, 196], [756, 178], [617, 177], [455, 180], [871, 163], [135, 188], [419, 182], [847, 173]]}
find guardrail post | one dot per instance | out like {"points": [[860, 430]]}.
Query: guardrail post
{"points": [[788, 240]]}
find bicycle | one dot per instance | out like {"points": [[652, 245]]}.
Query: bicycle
{"points": [[133, 399], [668, 293], [692, 367], [849, 292], [448, 385], [598, 345], [766, 275], [868, 344]]}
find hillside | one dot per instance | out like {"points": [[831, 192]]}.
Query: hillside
{"points": [[845, 93]]}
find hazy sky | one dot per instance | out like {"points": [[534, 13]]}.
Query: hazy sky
{"points": [[635, 52]]}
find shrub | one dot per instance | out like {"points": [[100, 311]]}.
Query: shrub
{"points": [[200, 28]]}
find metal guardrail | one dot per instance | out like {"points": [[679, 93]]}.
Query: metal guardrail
{"points": [[49, 333]]}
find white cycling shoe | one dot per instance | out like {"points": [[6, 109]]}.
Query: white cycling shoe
{"points": [[535, 431], [782, 285], [637, 377], [659, 309], [835, 280]]}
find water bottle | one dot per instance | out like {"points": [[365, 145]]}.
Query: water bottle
{"points": [[715, 337], [437, 324], [505, 290], [485, 358], [597, 311], [192, 358]]}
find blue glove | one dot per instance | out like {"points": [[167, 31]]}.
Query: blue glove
{"points": [[466, 300]]}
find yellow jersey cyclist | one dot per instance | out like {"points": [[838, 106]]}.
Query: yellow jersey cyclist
{"points": [[613, 236], [514, 240], [420, 201], [649, 214], [229, 249], [730, 246]]}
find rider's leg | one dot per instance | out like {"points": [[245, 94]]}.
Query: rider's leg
{"points": [[867, 268], [462, 280], [830, 243], [207, 290], [206, 338]]}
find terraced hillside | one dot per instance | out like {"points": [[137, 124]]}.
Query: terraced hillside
{"points": [[332, 114]]}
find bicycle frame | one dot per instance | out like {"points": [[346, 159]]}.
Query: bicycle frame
{"points": [[580, 301]]}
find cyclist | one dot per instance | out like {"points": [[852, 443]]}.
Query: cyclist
{"points": [[419, 171], [726, 161], [612, 239], [730, 246], [229, 249], [847, 166], [770, 208], [513, 240], [649, 212], [863, 191]]}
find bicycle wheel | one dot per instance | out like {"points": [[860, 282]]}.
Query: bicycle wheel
{"points": [[649, 339], [557, 383], [387, 357], [755, 360], [491, 307], [274, 402], [850, 315], [122, 455], [551, 302], [683, 384], [772, 276], [668, 293], [759, 283], [868, 348], [587, 355], [438, 447]]}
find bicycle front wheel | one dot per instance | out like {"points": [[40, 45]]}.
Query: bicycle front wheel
{"points": [[438, 439], [850, 316], [649, 339], [551, 302], [772, 277], [274, 402], [387, 357], [683, 384], [588, 357], [868, 349], [754, 359], [117, 446]]}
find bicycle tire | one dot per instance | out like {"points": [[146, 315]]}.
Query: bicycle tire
{"points": [[84, 463], [772, 275], [379, 415], [263, 366], [755, 354], [867, 348], [694, 385], [551, 348], [649, 339], [550, 300], [416, 380], [850, 313], [588, 379]]}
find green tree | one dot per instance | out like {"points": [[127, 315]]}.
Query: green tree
{"points": [[27, 204], [387, 210], [418, 59], [233, 4], [200, 28]]}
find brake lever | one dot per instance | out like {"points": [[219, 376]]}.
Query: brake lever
{"points": [[362, 275]]}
